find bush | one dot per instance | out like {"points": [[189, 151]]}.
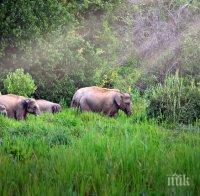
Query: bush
{"points": [[177, 100], [120, 77], [31, 18], [20, 83], [56, 89]]}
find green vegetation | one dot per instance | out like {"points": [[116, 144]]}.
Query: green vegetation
{"points": [[150, 49], [20, 83], [133, 46], [177, 101], [89, 154]]}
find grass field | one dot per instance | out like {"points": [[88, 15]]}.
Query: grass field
{"points": [[88, 154]]}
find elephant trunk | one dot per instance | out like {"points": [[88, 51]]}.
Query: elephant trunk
{"points": [[127, 111]]}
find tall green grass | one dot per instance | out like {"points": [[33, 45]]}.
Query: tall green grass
{"points": [[89, 154]]}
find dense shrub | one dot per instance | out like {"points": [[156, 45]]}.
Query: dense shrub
{"points": [[177, 100], [20, 83], [139, 106], [130, 45], [45, 38], [56, 89], [190, 54], [62, 64], [121, 77], [24, 19], [94, 5]]}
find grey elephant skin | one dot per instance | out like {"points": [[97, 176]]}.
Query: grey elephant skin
{"points": [[47, 106], [102, 100], [18, 107], [3, 110]]}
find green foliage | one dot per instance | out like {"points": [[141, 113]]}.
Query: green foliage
{"points": [[20, 83], [139, 106], [190, 54], [106, 77], [25, 19], [177, 101], [56, 89], [89, 154], [90, 5], [65, 45], [194, 4], [65, 63], [120, 77]]}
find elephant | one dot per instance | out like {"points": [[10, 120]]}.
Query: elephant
{"points": [[3, 110], [102, 100], [82, 91], [47, 106], [17, 107]]}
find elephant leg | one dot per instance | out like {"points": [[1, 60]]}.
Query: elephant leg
{"points": [[112, 112], [107, 113], [84, 106], [73, 104], [78, 109], [20, 114]]}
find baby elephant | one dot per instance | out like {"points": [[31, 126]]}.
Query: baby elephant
{"points": [[47, 106], [3, 110]]}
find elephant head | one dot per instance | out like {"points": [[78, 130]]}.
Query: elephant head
{"points": [[3, 110], [123, 101], [32, 107]]}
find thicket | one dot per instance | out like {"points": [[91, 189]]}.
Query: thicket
{"points": [[44, 39], [176, 100], [133, 46]]}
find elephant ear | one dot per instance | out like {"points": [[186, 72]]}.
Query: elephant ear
{"points": [[118, 99], [54, 109], [25, 103], [20, 112], [28, 102]]}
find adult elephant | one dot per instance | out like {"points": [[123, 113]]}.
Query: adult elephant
{"points": [[17, 106], [102, 100], [47, 106], [83, 91]]}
